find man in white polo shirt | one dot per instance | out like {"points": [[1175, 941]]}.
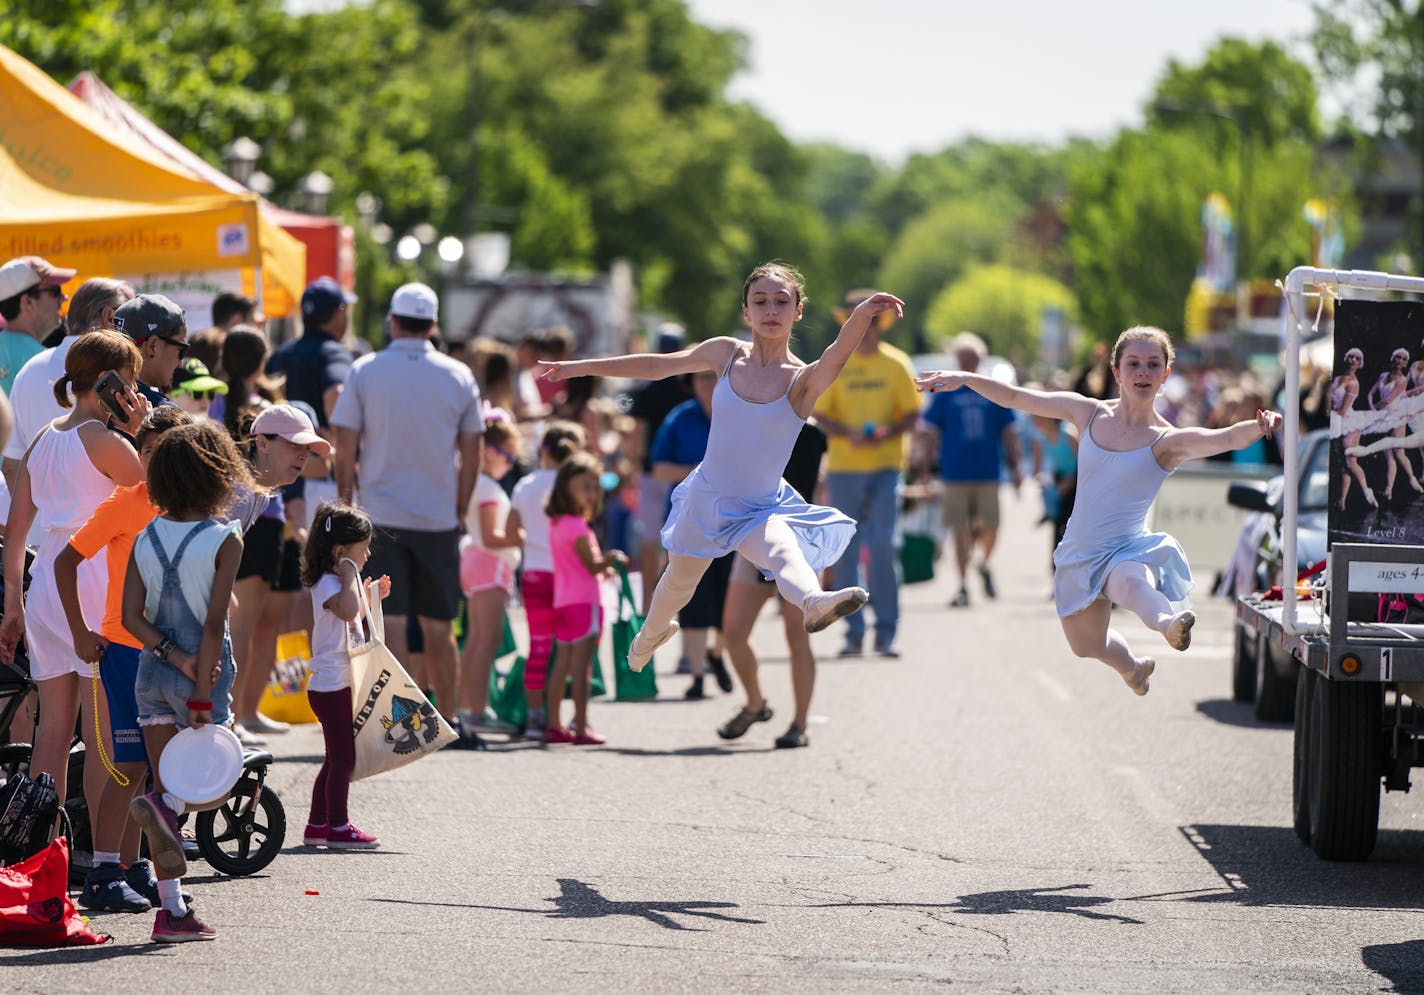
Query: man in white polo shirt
{"points": [[413, 418]]}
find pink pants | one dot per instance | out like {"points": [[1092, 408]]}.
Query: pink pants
{"points": [[539, 609]]}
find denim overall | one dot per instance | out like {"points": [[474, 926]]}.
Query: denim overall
{"points": [[161, 689]]}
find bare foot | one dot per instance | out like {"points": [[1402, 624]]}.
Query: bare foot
{"points": [[1179, 631], [1138, 679]]}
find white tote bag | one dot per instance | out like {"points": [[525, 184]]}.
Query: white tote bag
{"points": [[392, 719]]}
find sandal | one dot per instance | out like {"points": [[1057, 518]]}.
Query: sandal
{"points": [[792, 738], [738, 724]]}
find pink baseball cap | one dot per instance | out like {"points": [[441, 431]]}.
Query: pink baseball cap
{"points": [[292, 425]]}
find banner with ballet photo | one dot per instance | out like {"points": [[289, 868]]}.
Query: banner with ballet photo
{"points": [[1377, 423]]}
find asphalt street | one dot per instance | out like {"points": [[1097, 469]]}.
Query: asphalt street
{"points": [[985, 814]]}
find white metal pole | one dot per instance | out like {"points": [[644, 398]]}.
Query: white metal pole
{"points": [[1294, 301]]}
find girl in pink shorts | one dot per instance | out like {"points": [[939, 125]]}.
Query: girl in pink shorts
{"points": [[488, 560], [579, 564], [527, 517]]}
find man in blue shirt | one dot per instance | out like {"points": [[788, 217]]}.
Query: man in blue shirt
{"points": [[976, 439], [678, 447], [316, 363]]}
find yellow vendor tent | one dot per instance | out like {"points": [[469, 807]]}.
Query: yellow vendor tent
{"points": [[71, 193]]}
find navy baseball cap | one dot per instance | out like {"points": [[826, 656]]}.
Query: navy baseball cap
{"points": [[321, 299], [150, 314]]}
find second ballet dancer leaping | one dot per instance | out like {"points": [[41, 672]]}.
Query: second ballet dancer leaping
{"points": [[1126, 451], [735, 499]]}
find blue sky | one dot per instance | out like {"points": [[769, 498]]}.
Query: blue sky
{"points": [[891, 77]]}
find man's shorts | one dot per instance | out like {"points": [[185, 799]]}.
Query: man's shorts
{"points": [[970, 504], [652, 509], [424, 568], [119, 670], [575, 622], [262, 551], [289, 573], [704, 609]]}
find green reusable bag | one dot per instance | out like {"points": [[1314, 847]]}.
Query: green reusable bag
{"points": [[506, 694], [919, 544], [507, 645], [629, 686], [917, 558]]}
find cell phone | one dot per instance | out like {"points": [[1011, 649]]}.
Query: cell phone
{"points": [[108, 387]]}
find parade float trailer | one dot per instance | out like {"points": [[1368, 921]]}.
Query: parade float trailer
{"points": [[1356, 631]]}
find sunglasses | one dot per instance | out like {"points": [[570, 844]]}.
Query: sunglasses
{"points": [[55, 292], [182, 347], [503, 452], [201, 395]]}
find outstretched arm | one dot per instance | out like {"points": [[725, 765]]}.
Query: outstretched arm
{"points": [[823, 372], [713, 354], [1180, 445], [1063, 404]]}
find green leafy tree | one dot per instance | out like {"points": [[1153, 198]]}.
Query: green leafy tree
{"points": [[1373, 52], [935, 249], [1002, 304]]}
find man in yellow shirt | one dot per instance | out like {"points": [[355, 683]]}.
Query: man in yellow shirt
{"points": [[866, 415]]}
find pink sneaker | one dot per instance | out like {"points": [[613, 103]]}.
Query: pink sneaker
{"points": [[588, 738], [159, 822], [315, 834], [350, 838], [557, 734], [168, 928]]}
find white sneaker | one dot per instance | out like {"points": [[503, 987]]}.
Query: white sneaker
{"points": [[246, 736], [641, 651], [261, 724], [820, 610]]}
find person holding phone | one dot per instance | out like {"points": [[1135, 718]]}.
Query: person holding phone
{"points": [[72, 465], [159, 329]]}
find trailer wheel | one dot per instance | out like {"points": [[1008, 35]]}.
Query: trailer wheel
{"points": [[1243, 666], [1275, 695], [1300, 759], [1344, 751]]}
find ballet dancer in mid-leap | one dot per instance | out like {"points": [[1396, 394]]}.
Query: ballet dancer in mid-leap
{"points": [[1126, 452], [736, 499]]}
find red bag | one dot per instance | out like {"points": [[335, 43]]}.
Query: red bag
{"points": [[35, 910]]}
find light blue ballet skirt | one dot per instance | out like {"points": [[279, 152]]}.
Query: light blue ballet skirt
{"points": [[1108, 527], [738, 487]]}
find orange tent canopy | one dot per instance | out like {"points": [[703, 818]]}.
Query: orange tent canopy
{"points": [[71, 192]]}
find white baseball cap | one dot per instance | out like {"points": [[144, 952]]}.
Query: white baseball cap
{"points": [[415, 300], [28, 272]]}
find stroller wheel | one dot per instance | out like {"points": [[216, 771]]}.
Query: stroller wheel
{"points": [[239, 837]]}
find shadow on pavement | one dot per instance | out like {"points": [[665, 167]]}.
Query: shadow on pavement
{"points": [[1400, 963], [1003, 903], [582, 901], [1235, 713], [686, 751], [312, 758], [1268, 865], [79, 955]]}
